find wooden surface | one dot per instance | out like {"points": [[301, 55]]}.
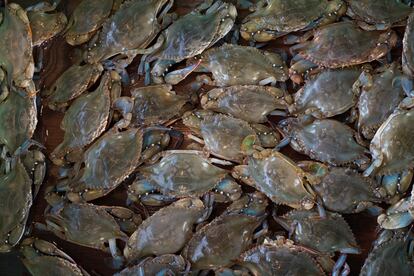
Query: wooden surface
{"points": [[58, 56]]}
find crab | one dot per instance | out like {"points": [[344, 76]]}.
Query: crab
{"points": [[392, 254], [279, 178], [182, 173], [327, 94], [378, 89], [20, 179], [83, 24], [398, 215], [119, 33], [188, 37], [340, 45], [391, 148], [171, 228], [221, 241], [71, 84], [323, 231], [86, 119], [104, 225], [241, 65], [151, 105], [275, 18], [44, 258], [408, 48], [360, 193], [250, 103], [325, 140], [45, 22], [107, 162], [16, 61], [18, 117], [167, 264], [227, 137], [378, 15], [279, 257]]}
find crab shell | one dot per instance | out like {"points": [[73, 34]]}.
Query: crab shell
{"points": [[327, 235], [45, 24], [278, 17], [358, 194], [193, 33], [408, 48], [383, 14], [183, 174], [242, 65], [174, 264], [16, 195], [378, 100], [83, 24], [18, 119], [390, 255], [224, 136], [391, 147], [221, 241], [155, 104], [16, 45], [119, 33], [325, 140], [71, 221], [328, 94], [345, 44], [171, 228], [281, 257], [247, 102], [72, 83], [108, 162], [87, 118], [278, 177], [44, 258]]}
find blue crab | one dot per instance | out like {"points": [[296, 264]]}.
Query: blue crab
{"points": [[182, 173], [16, 61], [86, 119], [45, 22], [221, 241], [323, 231], [325, 140], [171, 228], [151, 105], [71, 84], [21, 176], [83, 23], [251, 103], [44, 258], [381, 88], [340, 45], [274, 18], [241, 65], [227, 137], [103, 169], [327, 94], [188, 37], [279, 178], [104, 225], [119, 32], [392, 254], [379, 14]]}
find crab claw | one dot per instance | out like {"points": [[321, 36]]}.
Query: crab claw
{"points": [[177, 76]]}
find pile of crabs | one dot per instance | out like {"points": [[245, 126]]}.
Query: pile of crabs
{"points": [[331, 80]]}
